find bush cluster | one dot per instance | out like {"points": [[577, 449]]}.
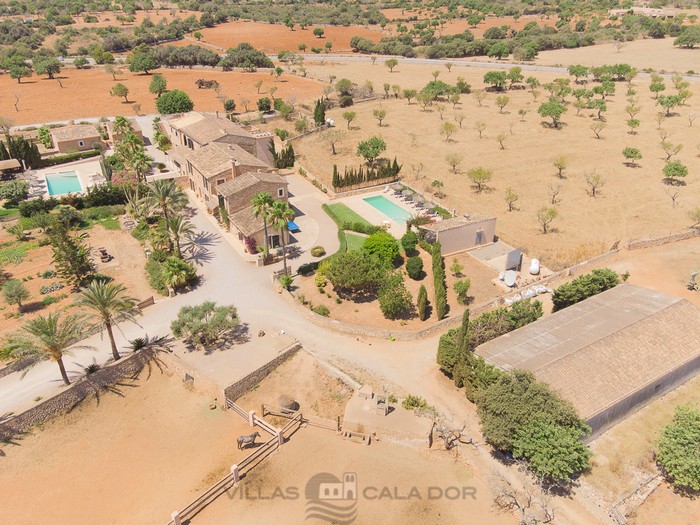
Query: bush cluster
{"points": [[584, 287]]}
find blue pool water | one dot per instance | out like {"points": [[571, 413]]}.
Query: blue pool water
{"points": [[388, 208], [63, 182]]}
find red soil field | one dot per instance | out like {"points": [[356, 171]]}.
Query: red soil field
{"points": [[272, 38], [85, 93]]}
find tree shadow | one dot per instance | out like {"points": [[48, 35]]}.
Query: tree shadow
{"points": [[670, 181]]}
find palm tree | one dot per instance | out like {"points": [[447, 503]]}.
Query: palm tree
{"points": [[48, 338], [109, 304], [180, 227], [262, 204], [177, 273], [280, 214], [166, 195], [140, 162], [122, 126]]}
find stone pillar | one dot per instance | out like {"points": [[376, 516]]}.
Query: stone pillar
{"points": [[176, 518], [235, 473], [251, 418]]}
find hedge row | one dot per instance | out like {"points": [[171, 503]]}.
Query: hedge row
{"points": [[68, 157]]}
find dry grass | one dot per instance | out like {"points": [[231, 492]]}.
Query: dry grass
{"points": [[624, 456], [585, 225]]}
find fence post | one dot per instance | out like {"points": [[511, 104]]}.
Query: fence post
{"points": [[176, 518], [235, 473], [280, 438], [251, 418]]}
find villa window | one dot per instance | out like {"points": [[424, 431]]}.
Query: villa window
{"points": [[81, 143], [219, 182], [280, 192]]}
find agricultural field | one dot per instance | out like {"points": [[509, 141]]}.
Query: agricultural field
{"points": [[86, 93], [585, 225]]}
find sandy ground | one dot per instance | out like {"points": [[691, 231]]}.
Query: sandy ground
{"points": [[317, 391], [624, 458], [585, 225], [664, 268], [126, 268], [272, 38], [377, 466], [134, 456], [369, 313], [659, 55], [85, 93]]}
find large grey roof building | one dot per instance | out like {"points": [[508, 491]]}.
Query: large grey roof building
{"points": [[609, 353]]}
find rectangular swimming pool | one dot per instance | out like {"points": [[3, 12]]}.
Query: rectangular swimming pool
{"points": [[63, 182], [388, 208]]}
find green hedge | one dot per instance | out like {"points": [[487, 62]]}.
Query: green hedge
{"points": [[68, 157]]}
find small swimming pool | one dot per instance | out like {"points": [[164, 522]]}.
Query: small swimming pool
{"points": [[388, 208], [63, 182]]}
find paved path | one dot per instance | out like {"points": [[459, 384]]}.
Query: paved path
{"points": [[229, 279]]}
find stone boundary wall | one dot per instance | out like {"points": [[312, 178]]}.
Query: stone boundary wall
{"points": [[194, 378], [240, 387], [69, 398], [437, 327], [307, 133], [636, 244]]}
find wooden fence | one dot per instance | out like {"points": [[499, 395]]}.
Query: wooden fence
{"points": [[315, 421], [243, 467]]}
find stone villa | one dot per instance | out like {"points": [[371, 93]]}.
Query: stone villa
{"points": [[226, 165]]}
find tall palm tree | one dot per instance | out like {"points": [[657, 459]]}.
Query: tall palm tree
{"points": [[48, 338], [167, 196], [140, 162], [180, 227], [280, 214], [122, 126], [262, 204], [109, 304]]}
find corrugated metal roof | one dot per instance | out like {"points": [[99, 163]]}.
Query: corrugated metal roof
{"points": [[604, 348]]}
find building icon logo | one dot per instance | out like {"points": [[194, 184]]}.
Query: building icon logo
{"points": [[331, 499]]}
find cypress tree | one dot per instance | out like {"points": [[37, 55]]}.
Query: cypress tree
{"points": [[422, 303]]}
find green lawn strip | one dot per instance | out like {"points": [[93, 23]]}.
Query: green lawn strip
{"points": [[341, 214], [354, 241]]}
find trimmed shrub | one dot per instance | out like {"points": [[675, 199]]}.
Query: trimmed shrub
{"points": [[68, 157], [394, 299], [414, 268], [409, 242], [461, 288], [422, 303], [382, 245], [318, 251]]}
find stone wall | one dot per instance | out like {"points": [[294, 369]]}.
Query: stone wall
{"points": [[637, 244], [240, 387], [70, 397]]}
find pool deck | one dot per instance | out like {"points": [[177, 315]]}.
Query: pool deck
{"points": [[84, 170], [373, 215]]}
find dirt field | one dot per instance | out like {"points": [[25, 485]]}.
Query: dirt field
{"points": [[369, 313], [659, 55], [134, 457], [623, 458], [312, 451], [85, 93], [273, 38], [310, 385], [126, 268], [585, 225]]}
